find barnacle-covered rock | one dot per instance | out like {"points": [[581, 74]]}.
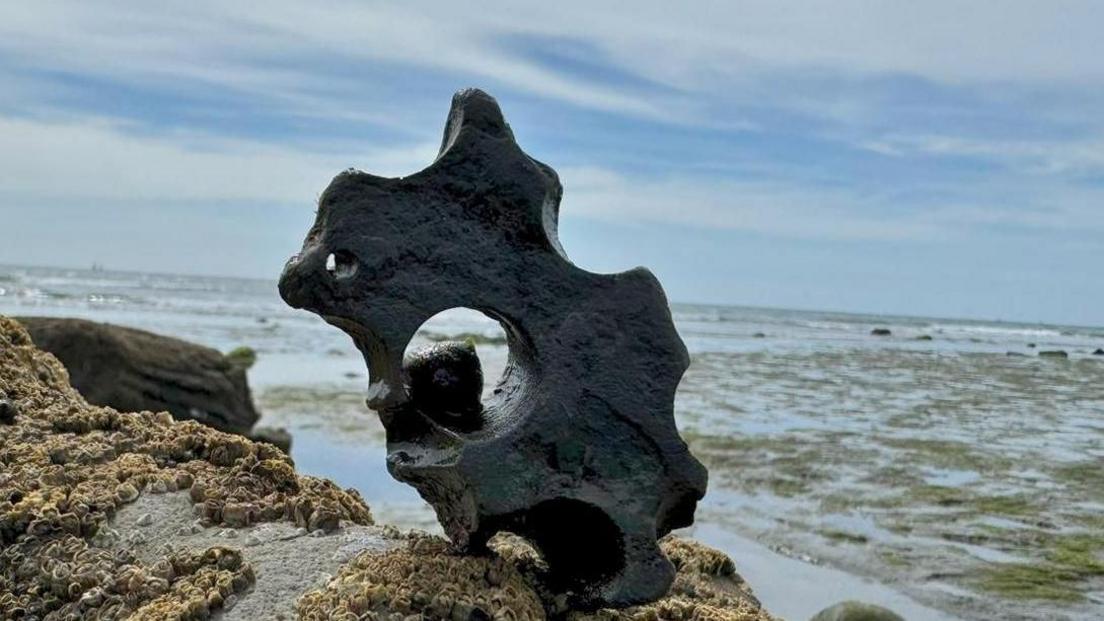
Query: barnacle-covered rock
{"points": [[426, 578], [430, 580], [66, 467]]}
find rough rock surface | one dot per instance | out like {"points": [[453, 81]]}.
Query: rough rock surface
{"points": [[577, 450], [134, 370], [106, 515]]}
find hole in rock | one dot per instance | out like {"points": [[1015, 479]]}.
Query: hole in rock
{"points": [[341, 264], [454, 364], [578, 541]]}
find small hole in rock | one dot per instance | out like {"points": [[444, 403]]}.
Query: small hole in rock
{"points": [[341, 264]]}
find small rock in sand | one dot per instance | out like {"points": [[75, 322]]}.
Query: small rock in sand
{"points": [[144, 520], [276, 436], [1054, 353], [8, 411], [881, 332], [856, 611]]}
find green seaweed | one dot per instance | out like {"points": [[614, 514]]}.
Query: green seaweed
{"points": [[842, 536], [242, 357], [474, 338], [1070, 561], [948, 454]]}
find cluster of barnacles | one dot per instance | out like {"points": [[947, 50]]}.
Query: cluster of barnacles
{"points": [[425, 578], [68, 579]]}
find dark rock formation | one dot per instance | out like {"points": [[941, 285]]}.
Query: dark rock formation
{"points": [[445, 382], [1054, 353], [1098, 352], [924, 337], [133, 371], [881, 332], [856, 611], [577, 449]]}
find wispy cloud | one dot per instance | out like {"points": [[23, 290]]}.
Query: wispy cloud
{"points": [[1073, 156], [98, 159]]}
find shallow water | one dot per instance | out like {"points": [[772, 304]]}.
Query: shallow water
{"points": [[923, 475]]}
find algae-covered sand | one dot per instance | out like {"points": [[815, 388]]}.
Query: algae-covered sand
{"points": [[972, 481], [109, 515]]}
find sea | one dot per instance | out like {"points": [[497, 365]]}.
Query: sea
{"points": [[946, 470]]}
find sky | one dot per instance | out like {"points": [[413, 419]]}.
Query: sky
{"points": [[927, 158]]}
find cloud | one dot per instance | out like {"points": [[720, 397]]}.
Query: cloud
{"points": [[287, 53], [100, 159], [777, 208], [1074, 156]]}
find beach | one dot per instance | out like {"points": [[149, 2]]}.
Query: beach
{"points": [[946, 469]]}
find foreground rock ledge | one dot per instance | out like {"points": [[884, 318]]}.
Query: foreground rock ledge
{"points": [[105, 515]]}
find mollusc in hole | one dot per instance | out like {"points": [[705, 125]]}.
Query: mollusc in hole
{"points": [[453, 365]]}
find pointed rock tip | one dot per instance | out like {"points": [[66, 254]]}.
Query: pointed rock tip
{"points": [[474, 109]]}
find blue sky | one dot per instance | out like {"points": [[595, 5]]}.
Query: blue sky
{"points": [[935, 158]]}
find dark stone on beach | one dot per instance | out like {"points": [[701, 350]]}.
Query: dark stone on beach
{"points": [[1054, 353], [759, 335], [445, 382], [577, 449], [1015, 354], [1098, 352], [276, 436], [134, 370], [1031, 345], [856, 611], [8, 412], [881, 332], [924, 337]]}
